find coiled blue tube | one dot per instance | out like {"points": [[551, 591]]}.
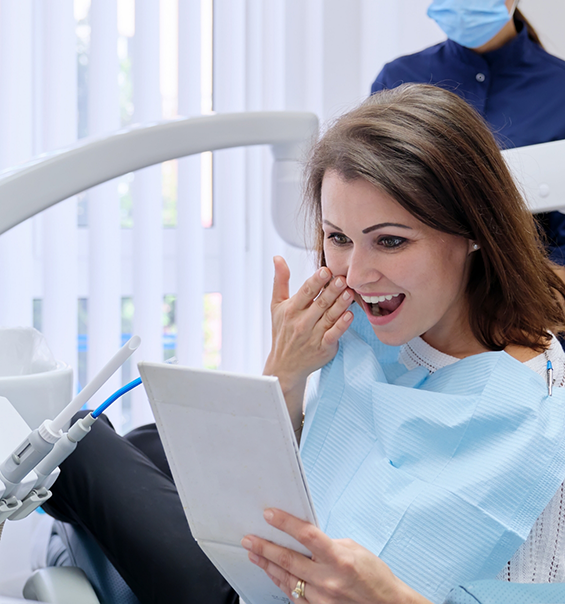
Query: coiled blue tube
{"points": [[115, 396]]}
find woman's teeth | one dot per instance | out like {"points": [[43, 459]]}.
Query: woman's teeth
{"points": [[382, 305], [377, 299]]}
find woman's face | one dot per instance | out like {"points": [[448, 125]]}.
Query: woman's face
{"points": [[409, 278]]}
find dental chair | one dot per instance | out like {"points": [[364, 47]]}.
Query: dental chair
{"points": [[54, 178], [76, 572]]}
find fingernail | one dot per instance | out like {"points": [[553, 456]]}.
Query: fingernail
{"points": [[346, 295], [253, 558], [324, 273], [339, 282], [246, 543], [268, 515], [348, 316]]}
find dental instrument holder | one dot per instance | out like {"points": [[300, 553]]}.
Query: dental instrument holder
{"points": [[26, 456], [40, 443], [66, 445]]}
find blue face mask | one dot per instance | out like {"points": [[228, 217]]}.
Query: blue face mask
{"points": [[470, 23]]}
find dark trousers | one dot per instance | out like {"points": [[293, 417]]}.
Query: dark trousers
{"points": [[120, 490]]}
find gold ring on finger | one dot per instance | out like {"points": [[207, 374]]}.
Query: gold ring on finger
{"points": [[298, 591]]}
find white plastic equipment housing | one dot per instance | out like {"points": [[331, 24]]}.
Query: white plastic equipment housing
{"points": [[50, 178], [13, 430], [540, 172]]}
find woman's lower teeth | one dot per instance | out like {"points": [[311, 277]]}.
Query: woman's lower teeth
{"points": [[377, 311]]}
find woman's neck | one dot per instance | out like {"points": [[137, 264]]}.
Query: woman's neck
{"points": [[460, 342], [459, 346]]}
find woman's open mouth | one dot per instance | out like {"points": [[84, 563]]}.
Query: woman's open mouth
{"points": [[382, 306]]}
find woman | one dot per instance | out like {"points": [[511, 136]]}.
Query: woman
{"points": [[418, 221], [494, 60], [437, 458]]}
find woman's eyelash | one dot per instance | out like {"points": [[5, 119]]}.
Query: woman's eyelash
{"points": [[338, 238], [390, 241], [386, 241]]}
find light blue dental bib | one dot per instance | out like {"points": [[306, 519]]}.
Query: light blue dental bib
{"points": [[440, 475]]}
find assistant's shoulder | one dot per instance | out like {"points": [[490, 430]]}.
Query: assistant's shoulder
{"points": [[419, 68], [549, 60]]}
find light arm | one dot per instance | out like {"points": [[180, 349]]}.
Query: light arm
{"points": [[53, 177]]}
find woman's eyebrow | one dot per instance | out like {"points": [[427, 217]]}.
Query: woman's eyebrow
{"points": [[383, 225], [332, 225]]}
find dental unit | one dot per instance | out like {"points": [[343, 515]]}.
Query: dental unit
{"points": [[28, 472]]}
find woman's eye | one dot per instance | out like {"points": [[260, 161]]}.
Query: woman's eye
{"points": [[391, 242], [338, 238]]}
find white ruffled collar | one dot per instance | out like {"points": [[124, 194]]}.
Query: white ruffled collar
{"points": [[418, 353]]}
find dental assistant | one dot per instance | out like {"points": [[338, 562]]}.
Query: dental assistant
{"points": [[494, 60]]}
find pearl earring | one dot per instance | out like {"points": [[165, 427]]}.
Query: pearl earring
{"points": [[475, 247]]}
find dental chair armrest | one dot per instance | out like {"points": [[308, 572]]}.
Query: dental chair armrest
{"points": [[60, 585]]}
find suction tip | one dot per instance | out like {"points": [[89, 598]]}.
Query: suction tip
{"points": [[134, 342]]}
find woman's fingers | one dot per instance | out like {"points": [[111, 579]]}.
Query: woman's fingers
{"points": [[323, 296], [276, 560], [333, 302], [280, 283], [335, 332], [287, 582], [311, 288], [315, 540], [280, 577], [326, 306]]}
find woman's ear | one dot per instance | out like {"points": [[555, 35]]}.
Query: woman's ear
{"points": [[473, 246]]}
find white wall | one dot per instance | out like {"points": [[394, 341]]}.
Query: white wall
{"points": [[548, 18]]}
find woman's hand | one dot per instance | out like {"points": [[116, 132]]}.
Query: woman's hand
{"points": [[306, 329], [339, 572]]}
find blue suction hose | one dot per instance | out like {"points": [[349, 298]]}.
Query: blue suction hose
{"points": [[115, 396]]}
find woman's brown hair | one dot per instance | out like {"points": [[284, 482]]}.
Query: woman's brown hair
{"points": [[532, 33], [432, 153]]}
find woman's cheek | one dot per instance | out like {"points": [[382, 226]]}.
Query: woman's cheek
{"points": [[336, 264]]}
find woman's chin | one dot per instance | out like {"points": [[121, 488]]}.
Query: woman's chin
{"points": [[391, 339]]}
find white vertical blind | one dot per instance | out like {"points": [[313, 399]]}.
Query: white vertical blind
{"points": [[190, 233], [230, 182], [257, 162], [104, 287], [16, 121], [147, 203], [58, 115]]}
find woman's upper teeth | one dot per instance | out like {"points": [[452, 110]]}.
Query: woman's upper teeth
{"points": [[377, 299]]}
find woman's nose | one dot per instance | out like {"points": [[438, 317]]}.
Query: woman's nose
{"points": [[362, 271]]}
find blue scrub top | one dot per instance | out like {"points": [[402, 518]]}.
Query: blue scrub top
{"points": [[519, 89]]}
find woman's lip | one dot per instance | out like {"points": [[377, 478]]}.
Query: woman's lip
{"points": [[380, 320]]}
